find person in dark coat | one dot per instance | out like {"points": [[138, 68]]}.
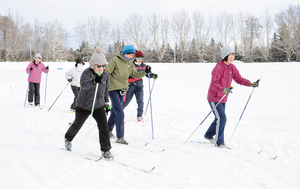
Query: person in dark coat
{"points": [[93, 80], [136, 86]]}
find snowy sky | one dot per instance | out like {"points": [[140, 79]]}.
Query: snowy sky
{"points": [[70, 12]]}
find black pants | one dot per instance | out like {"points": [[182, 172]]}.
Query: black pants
{"points": [[34, 88], [100, 117], [75, 92]]}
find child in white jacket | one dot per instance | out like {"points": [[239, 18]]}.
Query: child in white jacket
{"points": [[73, 76]]}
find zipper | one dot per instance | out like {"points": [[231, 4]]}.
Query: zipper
{"points": [[228, 76]]}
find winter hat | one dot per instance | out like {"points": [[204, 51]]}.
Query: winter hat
{"points": [[97, 58], [38, 55], [128, 49], [226, 50], [139, 53], [79, 60]]}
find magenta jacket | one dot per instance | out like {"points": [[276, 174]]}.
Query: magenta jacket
{"points": [[222, 76], [36, 73]]}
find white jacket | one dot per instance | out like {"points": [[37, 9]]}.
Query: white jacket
{"points": [[75, 74]]}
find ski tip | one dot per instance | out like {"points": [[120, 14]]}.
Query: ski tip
{"points": [[146, 144], [274, 157]]}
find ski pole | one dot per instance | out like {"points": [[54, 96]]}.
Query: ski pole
{"points": [[207, 116], [58, 96], [151, 107], [27, 88], [243, 111], [149, 97], [46, 87]]}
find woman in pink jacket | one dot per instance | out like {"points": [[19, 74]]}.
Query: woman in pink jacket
{"points": [[220, 84], [34, 69]]}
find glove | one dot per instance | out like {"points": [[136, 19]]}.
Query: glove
{"points": [[97, 79], [227, 90], [155, 76], [148, 69], [254, 84], [107, 108], [31, 69], [70, 80], [47, 68]]}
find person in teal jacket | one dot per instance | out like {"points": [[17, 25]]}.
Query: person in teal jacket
{"points": [[119, 69]]}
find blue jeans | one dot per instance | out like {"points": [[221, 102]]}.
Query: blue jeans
{"points": [[138, 91], [217, 127], [116, 113]]}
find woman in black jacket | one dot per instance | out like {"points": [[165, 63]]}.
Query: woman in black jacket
{"points": [[93, 79]]}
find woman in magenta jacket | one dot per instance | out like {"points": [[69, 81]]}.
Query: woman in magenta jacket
{"points": [[220, 84], [34, 71]]}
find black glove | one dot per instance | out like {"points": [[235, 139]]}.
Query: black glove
{"points": [[70, 80], [227, 90], [254, 84], [155, 76], [47, 68], [148, 69], [31, 69], [97, 79], [107, 108]]}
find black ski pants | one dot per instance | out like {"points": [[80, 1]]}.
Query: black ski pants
{"points": [[34, 88], [100, 117], [75, 92]]}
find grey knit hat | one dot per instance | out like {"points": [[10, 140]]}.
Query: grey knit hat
{"points": [[226, 50], [97, 58], [38, 55]]}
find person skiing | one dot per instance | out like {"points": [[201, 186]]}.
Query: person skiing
{"points": [[136, 86], [35, 69], [220, 85], [119, 69], [73, 76], [86, 104]]}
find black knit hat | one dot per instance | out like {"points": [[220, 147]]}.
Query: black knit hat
{"points": [[79, 60]]}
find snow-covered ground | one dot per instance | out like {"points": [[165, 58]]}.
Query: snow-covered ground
{"points": [[31, 138]]}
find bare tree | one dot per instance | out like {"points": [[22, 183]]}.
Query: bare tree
{"points": [[116, 36], [253, 26], [181, 25], [248, 27], [265, 35], [202, 34], [224, 27], [96, 32], [287, 31], [37, 39], [56, 39], [15, 34], [135, 32], [158, 35], [5, 28]]}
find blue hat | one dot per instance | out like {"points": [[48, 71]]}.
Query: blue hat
{"points": [[128, 49]]}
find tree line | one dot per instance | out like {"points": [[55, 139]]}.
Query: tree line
{"points": [[184, 37]]}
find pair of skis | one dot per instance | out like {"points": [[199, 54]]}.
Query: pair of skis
{"points": [[259, 152]]}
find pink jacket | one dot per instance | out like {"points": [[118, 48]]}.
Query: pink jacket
{"points": [[222, 76], [36, 73]]}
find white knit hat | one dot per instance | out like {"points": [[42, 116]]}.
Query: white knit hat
{"points": [[97, 58], [38, 55], [226, 50]]}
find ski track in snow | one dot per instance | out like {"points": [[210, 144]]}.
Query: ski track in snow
{"points": [[31, 138]]}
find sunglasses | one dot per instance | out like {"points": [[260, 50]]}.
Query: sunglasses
{"points": [[140, 58], [99, 66]]}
